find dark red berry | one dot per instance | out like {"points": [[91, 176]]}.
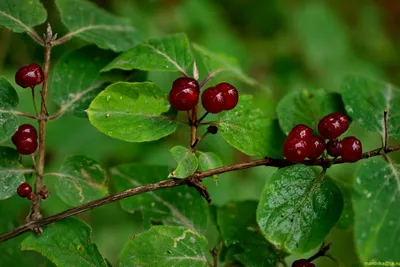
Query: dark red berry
{"points": [[212, 129], [316, 146], [295, 149], [301, 131], [334, 147], [212, 100], [31, 196], [29, 76], [302, 263], [230, 95], [333, 125], [44, 193], [351, 149], [25, 139], [24, 190], [184, 94]]}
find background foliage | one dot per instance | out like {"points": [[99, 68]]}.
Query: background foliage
{"points": [[292, 48]]}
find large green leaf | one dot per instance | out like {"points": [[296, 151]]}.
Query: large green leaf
{"points": [[248, 129], [366, 100], [165, 246], [66, 243], [307, 107], [376, 204], [171, 53], [80, 180], [297, 209], [92, 24], [132, 112], [174, 206], [187, 162], [21, 15], [222, 65], [8, 101], [11, 172], [238, 226], [76, 79]]}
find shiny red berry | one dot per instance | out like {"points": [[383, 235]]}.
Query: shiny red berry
{"points": [[333, 125], [184, 94], [334, 148], [301, 131], [351, 149], [302, 263], [25, 139], [29, 76], [230, 95], [316, 146], [212, 100], [295, 149], [24, 190]]}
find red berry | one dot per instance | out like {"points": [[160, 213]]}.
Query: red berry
{"points": [[212, 100], [316, 146], [44, 194], [31, 196], [24, 190], [184, 94], [351, 149], [301, 131], [25, 139], [29, 76], [230, 95], [334, 147], [295, 149], [333, 125], [302, 263]]}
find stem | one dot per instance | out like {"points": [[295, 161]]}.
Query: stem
{"points": [[280, 163], [193, 127], [35, 208], [35, 36], [202, 117], [34, 101], [385, 137], [21, 113]]}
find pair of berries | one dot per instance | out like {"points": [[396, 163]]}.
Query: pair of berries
{"points": [[29, 76], [302, 143], [25, 139], [185, 91], [25, 190], [302, 263]]}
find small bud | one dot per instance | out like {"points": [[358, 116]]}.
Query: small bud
{"points": [[212, 129]]}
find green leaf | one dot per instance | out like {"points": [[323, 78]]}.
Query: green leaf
{"points": [[208, 161], [249, 130], [376, 204], [307, 107], [80, 180], [366, 100], [346, 220], [11, 172], [76, 80], [297, 209], [165, 246], [187, 162], [8, 101], [171, 53], [132, 112], [66, 243], [173, 206], [258, 257], [21, 15], [92, 24], [219, 64]]}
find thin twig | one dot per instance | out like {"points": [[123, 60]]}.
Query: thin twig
{"points": [[193, 127], [35, 36], [385, 129], [178, 182], [35, 208], [209, 77], [202, 117], [21, 113], [34, 101]]}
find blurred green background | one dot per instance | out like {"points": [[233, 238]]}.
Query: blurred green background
{"points": [[285, 44]]}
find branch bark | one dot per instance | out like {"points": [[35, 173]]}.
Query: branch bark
{"points": [[325, 163]]}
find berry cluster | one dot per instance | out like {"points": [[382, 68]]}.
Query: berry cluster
{"points": [[185, 91], [25, 190], [301, 142], [29, 76], [302, 263], [25, 139]]}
